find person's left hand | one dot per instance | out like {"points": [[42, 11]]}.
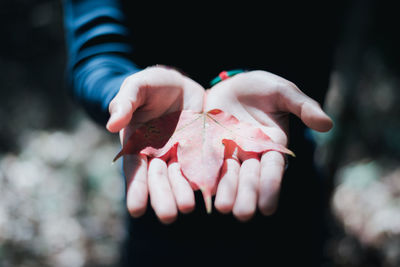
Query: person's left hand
{"points": [[265, 100]]}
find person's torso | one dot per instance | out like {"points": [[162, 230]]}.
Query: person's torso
{"points": [[294, 40]]}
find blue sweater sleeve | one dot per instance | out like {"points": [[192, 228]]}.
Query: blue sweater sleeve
{"points": [[98, 53]]}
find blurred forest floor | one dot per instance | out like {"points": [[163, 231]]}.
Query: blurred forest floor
{"points": [[61, 200]]}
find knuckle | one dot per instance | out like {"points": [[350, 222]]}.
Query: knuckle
{"points": [[128, 88], [140, 183], [291, 85], [158, 173], [113, 104], [283, 85], [274, 159], [275, 183], [162, 70], [156, 76], [129, 80]]}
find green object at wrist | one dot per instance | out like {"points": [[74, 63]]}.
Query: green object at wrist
{"points": [[223, 75]]}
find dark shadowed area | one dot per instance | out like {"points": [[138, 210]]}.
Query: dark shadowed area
{"points": [[61, 199]]}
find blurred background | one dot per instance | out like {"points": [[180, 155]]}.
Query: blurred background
{"points": [[61, 199]]}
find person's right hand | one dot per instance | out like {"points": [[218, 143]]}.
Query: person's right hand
{"points": [[143, 96]]}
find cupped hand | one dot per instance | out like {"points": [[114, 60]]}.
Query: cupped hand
{"points": [[143, 96], [265, 100]]}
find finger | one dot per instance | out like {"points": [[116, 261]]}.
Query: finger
{"points": [[246, 199], [181, 188], [304, 107], [161, 196], [271, 172], [135, 169], [227, 187], [121, 108]]}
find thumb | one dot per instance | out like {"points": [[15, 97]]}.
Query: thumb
{"points": [[122, 107], [314, 117], [307, 109]]}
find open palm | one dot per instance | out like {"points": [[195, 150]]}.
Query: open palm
{"points": [[265, 100], [247, 182], [143, 96]]}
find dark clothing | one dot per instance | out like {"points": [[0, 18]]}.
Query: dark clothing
{"points": [[108, 40]]}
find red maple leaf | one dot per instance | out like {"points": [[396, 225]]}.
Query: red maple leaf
{"points": [[200, 139]]}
